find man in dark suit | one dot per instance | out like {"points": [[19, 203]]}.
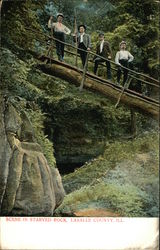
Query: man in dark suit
{"points": [[103, 49], [83, 42]]}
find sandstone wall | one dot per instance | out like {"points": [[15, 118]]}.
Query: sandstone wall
{"points": [[28, 186]]}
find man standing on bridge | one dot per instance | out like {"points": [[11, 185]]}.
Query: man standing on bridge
{"points": [[123, 58], [84, 43], [103, 49], [59, 33]]}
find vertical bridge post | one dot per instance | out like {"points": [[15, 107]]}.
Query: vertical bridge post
{"points": [[76, 32]]}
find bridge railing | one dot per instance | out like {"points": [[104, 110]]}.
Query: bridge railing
{"points": [[139, 78]]}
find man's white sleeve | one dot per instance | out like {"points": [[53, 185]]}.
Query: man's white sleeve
{"points": [[50, 24], [117, 58], [66, 30], [130, 57]]}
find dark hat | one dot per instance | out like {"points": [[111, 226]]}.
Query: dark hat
{"points": [[60, 14], [101, 34], [82, 25], [123, 42]]}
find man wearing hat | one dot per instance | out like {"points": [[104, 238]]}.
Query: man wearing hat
{"points": [[83, 43], [59, 33], [123, 57], [103, 49]]}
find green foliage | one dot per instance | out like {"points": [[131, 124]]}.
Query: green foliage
{"points": [[124, 179], [114, 152], [16, 19], [126, 200], [15, 82], [135, 21], [14, 73], [37, 118], [105, 180]]}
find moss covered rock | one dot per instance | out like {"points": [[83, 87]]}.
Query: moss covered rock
{"points": [[28, 185], [123, 181]]}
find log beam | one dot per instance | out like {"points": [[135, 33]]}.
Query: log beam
{"points": [[74, 75]]}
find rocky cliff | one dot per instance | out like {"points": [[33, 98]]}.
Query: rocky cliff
{"points": [[28, 185]]}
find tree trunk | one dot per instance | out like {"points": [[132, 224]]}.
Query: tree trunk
{"points": [[96, 84]]}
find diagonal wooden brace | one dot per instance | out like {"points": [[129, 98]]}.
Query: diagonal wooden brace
{"points": [[126, 86]]}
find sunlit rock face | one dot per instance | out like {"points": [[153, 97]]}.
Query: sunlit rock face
{"points": [[28, 185]]}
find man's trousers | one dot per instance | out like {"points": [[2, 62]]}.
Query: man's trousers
{"points": [[108, 65], [60, 46], [83, 54], [125, 71]]}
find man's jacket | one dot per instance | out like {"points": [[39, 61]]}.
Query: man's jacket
{"points": [[86, 40], [106, 51]]}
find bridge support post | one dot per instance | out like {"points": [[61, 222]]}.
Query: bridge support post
{"points": [[133, 123], [126, 86]]}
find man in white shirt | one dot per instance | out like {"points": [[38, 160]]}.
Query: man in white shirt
{"points": [[123, 57], [59, 33], [84, 43]]}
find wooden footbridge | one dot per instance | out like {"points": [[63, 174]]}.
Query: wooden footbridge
{"points": [[84, 78]]}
